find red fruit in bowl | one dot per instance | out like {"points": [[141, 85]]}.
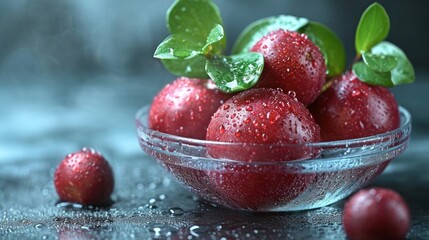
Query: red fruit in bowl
{"points": [[293, 63], [265, 116], [376, 213], [266, 120], [185, 106], [350, 108], [84, 177]]}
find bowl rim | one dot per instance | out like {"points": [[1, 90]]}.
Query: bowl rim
{"points": [[388, 145], [141, 122]]}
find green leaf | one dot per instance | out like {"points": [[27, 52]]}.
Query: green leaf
{"points": [[404, 71], [177, 47], [329, 44], [373, 27], [192, 67], [213, 40], [256, 30], [380, 62], [237, 72], [367, 75], [194, 19]]}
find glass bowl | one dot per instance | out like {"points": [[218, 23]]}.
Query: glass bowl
{"points": [[331, 172]]}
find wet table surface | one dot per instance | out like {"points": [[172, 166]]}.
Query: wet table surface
{"points": [[44, 119]]}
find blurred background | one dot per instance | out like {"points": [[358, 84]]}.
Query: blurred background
{"points": [[111, 37], [70, 69]]}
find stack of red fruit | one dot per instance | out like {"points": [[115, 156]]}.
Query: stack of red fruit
{"points": [[285, 85]]}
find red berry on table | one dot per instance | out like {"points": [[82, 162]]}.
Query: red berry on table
{"points": [[293, 63], [84, 177], [273, 119], [376, 213], [185, 106], [350, 108]]}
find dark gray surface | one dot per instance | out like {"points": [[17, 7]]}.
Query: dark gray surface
{"points": [[41, 123]]}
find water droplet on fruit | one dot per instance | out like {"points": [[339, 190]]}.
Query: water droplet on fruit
{"points": [[222, 129], [238, 133], [247, 120], [355, 93], [255, 123], [226, 107], [264, 137], [292, 94], [249, 108]]}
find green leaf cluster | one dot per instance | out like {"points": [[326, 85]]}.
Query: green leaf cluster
{"points": [[196, 44], [383, 63], [197, 41]]}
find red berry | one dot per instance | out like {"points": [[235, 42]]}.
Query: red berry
{"points": [[265, 116], [376, 213], [268, 117], [84, 177], [185, 106], [293, 63], [350, 108]]}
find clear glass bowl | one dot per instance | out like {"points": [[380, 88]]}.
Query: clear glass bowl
{"points": [[334, 171]]}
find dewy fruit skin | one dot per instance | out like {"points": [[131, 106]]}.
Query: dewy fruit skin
{"points": [[267, 117], [185, 106], [293, 63], [350, 108], [84, 177], [376, 213]]}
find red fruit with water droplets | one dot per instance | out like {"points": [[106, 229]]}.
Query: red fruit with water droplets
{"points": [[376, 213], [185, 106], [350, 108], [266, 116], [293, 63], [84, 177], [266, 120]]}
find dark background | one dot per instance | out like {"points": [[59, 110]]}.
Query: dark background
{"points": [[111, 37]]}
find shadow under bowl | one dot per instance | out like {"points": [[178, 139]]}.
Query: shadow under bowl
{"points": [[326, 172]]}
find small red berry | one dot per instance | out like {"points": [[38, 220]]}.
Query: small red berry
{"points": [[376, 213], [185, 106], [84, 177], [350, 108], [293, 63]]}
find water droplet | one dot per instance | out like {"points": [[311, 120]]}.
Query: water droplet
{"points": [[226, 107], [264, 137], [249, 108], [39, 226], [355, 93], [222, 129], [238, 133], [176, 211]]}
